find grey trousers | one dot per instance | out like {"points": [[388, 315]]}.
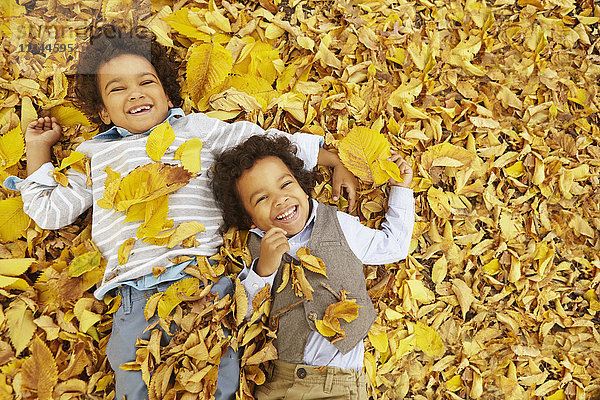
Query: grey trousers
{"points": [[129, 323]]}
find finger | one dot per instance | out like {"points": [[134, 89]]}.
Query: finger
{"points": [[394, 157], [335, 191], [351, 197], [275, 230]]}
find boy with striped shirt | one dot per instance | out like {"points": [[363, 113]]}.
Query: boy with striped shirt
{"points": [[127, 83]]}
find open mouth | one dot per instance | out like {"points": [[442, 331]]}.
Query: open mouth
{"points": [[140, 109], [288, 214]]}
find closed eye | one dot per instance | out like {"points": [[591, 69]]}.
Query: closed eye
{"points": [[261, 198], [147, 82], [286, 184]]}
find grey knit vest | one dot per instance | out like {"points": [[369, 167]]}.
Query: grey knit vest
{"points": [[344, 271]]}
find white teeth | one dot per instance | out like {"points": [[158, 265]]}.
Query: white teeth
{"points": [[138, 109], [287, 214]]}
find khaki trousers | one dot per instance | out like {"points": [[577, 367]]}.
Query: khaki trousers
{"points": [[304, 382]]}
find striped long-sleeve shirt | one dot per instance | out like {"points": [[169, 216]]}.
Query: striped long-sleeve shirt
{"points": [[53, 206]]}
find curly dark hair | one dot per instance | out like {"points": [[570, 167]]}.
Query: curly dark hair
{"points": [[108, 42], [230, 165]]}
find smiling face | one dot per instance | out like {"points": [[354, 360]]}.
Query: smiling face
{"points": [[273, 197], [132, 94]]}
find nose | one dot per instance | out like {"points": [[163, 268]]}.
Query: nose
{"points": [[135, 94], [281, 199]]}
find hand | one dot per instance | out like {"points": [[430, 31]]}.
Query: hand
{"points": [[40, 135], [344, 178], [43, 131], [272, 247], [405, 169]]}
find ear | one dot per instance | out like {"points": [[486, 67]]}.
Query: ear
{"points": [[252, 226], [104, 115], [169, 103]]}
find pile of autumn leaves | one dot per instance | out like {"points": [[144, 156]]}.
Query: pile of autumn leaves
{"points": [[499, 296]]}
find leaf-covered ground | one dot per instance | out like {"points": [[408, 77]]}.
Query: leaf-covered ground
{"points": [[494, 102]]}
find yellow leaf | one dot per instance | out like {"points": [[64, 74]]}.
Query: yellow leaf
{"points": [[269, 352], [149, 182], [69, 116], [447, 154], [428, 340], [300, 284], [170, 298], [40, 373], [361, 150], [10, 269], [159, 140], [406, 93], [440, 269], [492, 268], [189, 154], [558, 395], [15, 266], [241, 302], [516, 170], [255, 86], [71, 159], [10, 8], [152, 304], [60, 178], [345, 309], [379, 341], [285, 277], [199, 351], [454, 384], [124, 250], [12, 147], [28, 112], [294, 104], [310, 262], [180, 21], [392, 169], [464, 294], [19, 320], [111, 186], [183, 231], [87, 319], [371, 367], [324, 329], [47, 324], [439, 202], [84, 263], [155, 217], [208, 66], [13, 220], [419, 292]]}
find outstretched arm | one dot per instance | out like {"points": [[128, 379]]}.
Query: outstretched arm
{"points": [[342, 178], [40, 136], [391, 243]]}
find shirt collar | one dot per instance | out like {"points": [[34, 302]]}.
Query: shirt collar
{"points": [[309, 221], [116, 132]]}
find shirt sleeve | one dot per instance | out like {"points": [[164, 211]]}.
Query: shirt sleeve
{"points": [[51, 205], [224, 135], [390, 243], [253, 283]]}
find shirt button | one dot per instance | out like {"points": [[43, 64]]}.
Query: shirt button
{"points": [[312, 315], [301, 373], [255, 285]]}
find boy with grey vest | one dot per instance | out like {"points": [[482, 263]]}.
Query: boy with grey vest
{"points": [[261, 185]]}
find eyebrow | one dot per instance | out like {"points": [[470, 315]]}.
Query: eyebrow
{"points": [[118, 78]]}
